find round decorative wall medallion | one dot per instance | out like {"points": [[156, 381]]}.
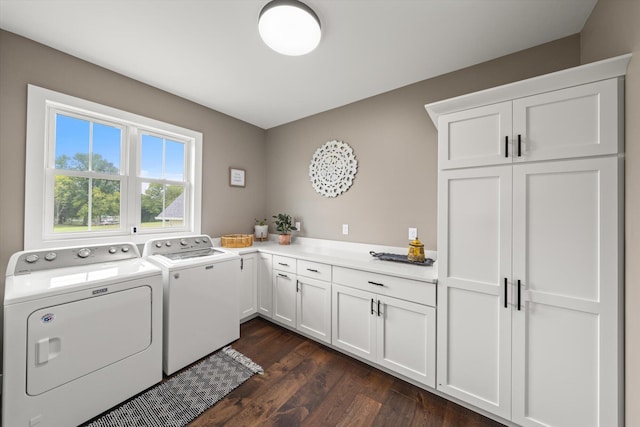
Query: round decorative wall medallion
{"points": [[333, 168]]}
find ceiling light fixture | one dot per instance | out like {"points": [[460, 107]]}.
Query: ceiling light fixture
{"points": [[289, 27]]}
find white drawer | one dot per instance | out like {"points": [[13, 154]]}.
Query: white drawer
{"points": [[315, 270], [406, 289], [284, 263]]}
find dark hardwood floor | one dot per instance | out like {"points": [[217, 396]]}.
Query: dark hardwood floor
{"points": [[308, 384]]}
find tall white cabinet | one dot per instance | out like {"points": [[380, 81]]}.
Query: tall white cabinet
{"points": [[529, 323]]}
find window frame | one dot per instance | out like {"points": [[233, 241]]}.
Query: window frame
{"points": [[43, 105]]}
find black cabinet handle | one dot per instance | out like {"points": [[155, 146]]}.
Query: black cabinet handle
{"points": [[241, 263], [372, 312], [505, 292], [506, 146], [518, 294], [375, 283], [297, 286], [519, 146], [313, 270], [283, 264], [283, 275], [378, 308]]}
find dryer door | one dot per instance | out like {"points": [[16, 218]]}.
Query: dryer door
{"points": [[68, 341]]}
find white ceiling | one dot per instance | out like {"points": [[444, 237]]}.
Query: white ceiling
{"points": [[209, 51]]}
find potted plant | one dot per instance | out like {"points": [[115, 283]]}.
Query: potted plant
{"points": [[261, 229], [284, 226]]}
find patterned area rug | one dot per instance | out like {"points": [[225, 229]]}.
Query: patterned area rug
{"points": [[183, 397]]}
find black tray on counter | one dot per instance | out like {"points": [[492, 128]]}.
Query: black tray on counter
{"points": [[386, 256]]}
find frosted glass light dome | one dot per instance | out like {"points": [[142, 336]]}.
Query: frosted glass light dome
{"points": [[289, 27]]}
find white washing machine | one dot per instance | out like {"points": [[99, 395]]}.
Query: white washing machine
{"points": [[82, 333], [200, 297]]}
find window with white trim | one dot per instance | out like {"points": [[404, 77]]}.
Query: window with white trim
{"points": [[108, 175]]}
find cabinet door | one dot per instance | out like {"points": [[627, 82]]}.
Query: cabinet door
{"points": [[406, 338], [265, 286], [475, 137], [314, 308], [566, 333], [248, 285], [575, 122], [284, 298], [474, 315], [353, 321]]}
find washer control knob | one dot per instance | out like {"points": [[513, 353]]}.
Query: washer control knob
{"points": [[113, 250], [197, 241], [125, 249], [32, 258], [205, 240], [84, 252], [183, 242], [158, 244], [168, 244], [50, 256]]}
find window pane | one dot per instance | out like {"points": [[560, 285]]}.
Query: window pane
{"points": [[173, 214], [72, 143], [152, 196], [71, 204], [174, 164], [105, 204], [151, 162], [162, 206], [106, 148]]}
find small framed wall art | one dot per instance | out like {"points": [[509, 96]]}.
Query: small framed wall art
{"points": [[236, 177]]}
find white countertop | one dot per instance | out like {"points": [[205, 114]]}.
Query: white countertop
{"points": [[349, 255]]}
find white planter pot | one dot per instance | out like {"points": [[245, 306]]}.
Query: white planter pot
{"points": [[261, 232]]}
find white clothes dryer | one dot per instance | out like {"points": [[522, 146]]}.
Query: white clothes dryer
{"points": [[82, 333], [200, 297]]}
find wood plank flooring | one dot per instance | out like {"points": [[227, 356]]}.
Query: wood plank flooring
{"points": [[308, 384]]}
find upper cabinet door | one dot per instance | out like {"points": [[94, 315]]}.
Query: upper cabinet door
{"points": [[476, 137], [579, 121]]}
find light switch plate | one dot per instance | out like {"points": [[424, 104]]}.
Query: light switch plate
{"points": [[345, 229]]}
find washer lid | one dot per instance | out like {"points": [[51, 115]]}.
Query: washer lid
{"points": [[192, 254], [57, 281]]}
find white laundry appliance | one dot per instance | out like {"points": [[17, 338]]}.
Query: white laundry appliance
{"points": [[200, 297], [82, 333]]}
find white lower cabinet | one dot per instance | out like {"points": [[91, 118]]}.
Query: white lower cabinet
{"points": [[285, 284], [301, 302], [265, 285], [314, 300], [248, 285], [314, 308], [392, 332], [284, 297]]}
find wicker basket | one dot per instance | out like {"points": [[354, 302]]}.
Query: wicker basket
{"points": [[237, 240]]}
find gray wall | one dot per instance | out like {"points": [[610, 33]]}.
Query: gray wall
{"points": [[614, 29], [226, 141], [395, 144]]}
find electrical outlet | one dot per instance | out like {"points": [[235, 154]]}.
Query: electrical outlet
{"points": [[298, 225], [345, 229], [413, 233]]}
